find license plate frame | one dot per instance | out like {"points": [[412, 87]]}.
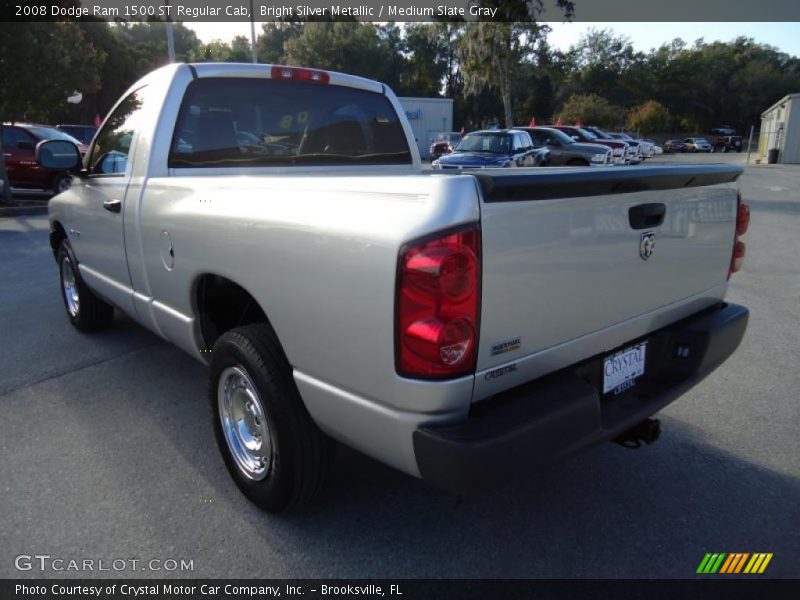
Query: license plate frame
{"points": [[623, 368]]}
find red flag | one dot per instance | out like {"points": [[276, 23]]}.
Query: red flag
{"points": [[558, 123], [97, 121], [462, 130], [578, 124], [533, 122]]}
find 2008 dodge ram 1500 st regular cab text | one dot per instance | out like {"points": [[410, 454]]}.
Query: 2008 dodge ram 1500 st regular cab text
{"points": [[276, 224]]}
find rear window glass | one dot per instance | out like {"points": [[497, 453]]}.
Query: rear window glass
{"points": [[225, 122]]}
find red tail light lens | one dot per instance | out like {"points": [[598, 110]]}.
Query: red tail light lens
{"points": [[742, 217], [742, 224], [299, 74], [438, 290]]}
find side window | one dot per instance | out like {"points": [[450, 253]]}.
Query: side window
{"points": [[112, 146], [525, 140], [14, 137]]}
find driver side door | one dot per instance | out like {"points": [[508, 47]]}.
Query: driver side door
{"points": [[100, 241]]}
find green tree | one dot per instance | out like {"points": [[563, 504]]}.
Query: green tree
{"points": [[273, 38], [649, 117], [41, 67], [590, 109], [448, 36], [426, 66], [491, 53], [350, 47], [240, 50], [215, 51], [394, 45]]}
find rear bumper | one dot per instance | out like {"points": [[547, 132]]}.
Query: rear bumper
{"points": [[544, 421]]}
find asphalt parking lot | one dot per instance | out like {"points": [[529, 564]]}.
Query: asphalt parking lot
{"points": [[107, 452]]}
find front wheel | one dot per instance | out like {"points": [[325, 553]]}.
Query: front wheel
{"points": [[62, 183], [274, 451], [578, 162], [86, 311]]}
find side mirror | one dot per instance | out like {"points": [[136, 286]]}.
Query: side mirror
{"points": [[58, 155]]}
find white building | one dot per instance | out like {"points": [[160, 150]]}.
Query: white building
{"points": [[780, 128], [427, 117]]}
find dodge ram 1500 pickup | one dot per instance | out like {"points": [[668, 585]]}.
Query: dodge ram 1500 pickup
{"points": [[464, 327]]}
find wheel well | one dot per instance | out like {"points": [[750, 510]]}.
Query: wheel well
{"points": [[222, 305], [57, 235]]}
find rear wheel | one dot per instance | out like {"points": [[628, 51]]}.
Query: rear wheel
{"points": [[274, 451], [85, 310]]}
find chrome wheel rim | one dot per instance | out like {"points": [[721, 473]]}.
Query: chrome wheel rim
{"points": [[245, 423], [69, 287]]}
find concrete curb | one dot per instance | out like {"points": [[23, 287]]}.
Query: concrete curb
{"points": [[23, 211]]}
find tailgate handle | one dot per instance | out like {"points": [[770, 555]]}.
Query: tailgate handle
{"points": [[644, 216]]}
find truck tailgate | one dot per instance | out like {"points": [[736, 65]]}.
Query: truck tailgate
{"points": [[576, 255]]}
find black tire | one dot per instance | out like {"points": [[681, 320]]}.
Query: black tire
{"points": [[577, 162], [61, 183], [300, 453], [86, 311]]}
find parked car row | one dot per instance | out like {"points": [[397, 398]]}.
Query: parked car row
{"points": [[548, 145], [19, 141], [565, 151], [494, 148]]}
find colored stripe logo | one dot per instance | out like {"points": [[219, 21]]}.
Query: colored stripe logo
{"points": [[734, 563]]}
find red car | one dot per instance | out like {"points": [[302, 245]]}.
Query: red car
{"points": [[19, 143], [444, 143], [675, 146]]}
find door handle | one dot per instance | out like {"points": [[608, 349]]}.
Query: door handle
{"points": [[644, 216], [114, 206]]}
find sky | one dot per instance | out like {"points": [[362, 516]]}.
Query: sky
{"points": [[643, 36]]}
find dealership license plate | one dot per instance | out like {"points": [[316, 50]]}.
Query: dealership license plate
{"points": [[621, 370]]}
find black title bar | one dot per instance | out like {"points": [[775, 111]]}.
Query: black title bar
{"points": [[408, 10], [731, 588]]}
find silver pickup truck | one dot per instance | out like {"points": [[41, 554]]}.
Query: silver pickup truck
{"points": [[276, 223]]}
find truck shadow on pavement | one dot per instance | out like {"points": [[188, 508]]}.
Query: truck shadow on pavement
{"points": [[610, 512], [128, 447]]}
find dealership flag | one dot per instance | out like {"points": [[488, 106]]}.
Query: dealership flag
{"points": [[533, 122], [97, 121]]}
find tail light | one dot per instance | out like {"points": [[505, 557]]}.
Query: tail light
{"points": [[742, 224], [299, 74], [437, 305]]}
